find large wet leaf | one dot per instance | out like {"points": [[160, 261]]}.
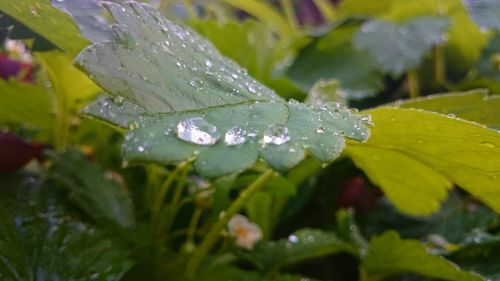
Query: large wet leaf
{"points": [[419, 154], [398, 48], [486, 13], [86, 14], [191, 102], [474, 105], [388, 254], [303, 245], [47, 21]]}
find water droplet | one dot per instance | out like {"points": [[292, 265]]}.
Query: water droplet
{"points": [[293, 238], [208, 63], [488, 144], [276, 134], [196, 83], [133, 125], [118, 100], [140, 148], [33, 10], [197, 130], [320, 130], [235, 136], [367, 119]]}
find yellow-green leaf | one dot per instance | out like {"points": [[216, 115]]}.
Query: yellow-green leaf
{"points": [[474, 105], [389, 254], [412, 154], [47, 21]]}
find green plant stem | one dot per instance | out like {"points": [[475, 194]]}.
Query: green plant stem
{"points": [[214, 232], [191, 231], [440, 66], [413, 86], [287, 6], [326, 9]]}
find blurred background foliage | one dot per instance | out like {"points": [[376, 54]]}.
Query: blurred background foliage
{"points": [[73, 210]]}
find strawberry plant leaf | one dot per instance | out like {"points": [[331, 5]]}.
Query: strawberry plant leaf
{"points": [[398, 48], [302, 245], [38, 239], [27, 104], [334, 57], [486, 13], [194, 103], [86, 14], [418, 154], [388, 254], [474, 105], [40, 17]]}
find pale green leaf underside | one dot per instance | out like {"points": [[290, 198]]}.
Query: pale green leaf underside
{"points": [[398, 48], [164, 67], [435, 150], [474, 105], [389, 254], [161, 74]]}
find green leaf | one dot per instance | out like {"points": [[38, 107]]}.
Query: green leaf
{"points": [[254, 46], [86, 14], [265, 13], [478, 253], [334, 57], [303, 245], [39, 240], [398, 48], [474, 105], [198, 104], [25, 104], [71, 86], [18, 31], [47, 21], [418, 154], [486, 13], [489, 62], [326, 92], [93, 190], [389, 254], [349, 8]]}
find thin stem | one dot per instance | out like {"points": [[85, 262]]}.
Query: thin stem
{"points": [[191, 232], [413, 86], [440, 66], [214, 232], [326, 9], [287, 6]]}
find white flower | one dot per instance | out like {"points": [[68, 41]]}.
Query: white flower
{"points": [[246, 232]]}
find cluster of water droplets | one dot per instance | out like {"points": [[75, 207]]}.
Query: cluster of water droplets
{"points": [[198, 130]]}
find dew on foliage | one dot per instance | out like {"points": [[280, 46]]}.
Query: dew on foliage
{"points": [[133, 125], [118, 100], [276, 134], [196, 83], [320, 130], [235, 136], [197, 130]]}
